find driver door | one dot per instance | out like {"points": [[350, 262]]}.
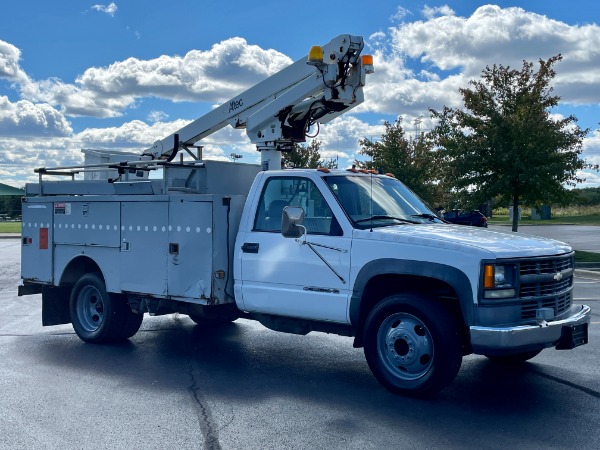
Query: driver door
{"points": [[282, 276]]}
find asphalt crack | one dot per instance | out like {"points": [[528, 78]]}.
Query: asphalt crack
{"points": [[207, 425], [570, 384]]}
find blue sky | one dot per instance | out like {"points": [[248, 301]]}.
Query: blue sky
{"points": [[120, 75]]}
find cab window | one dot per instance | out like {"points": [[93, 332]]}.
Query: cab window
{"points": [[280, 192]]}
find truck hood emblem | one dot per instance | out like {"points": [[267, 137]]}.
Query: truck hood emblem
{"points": [[558, 276]]}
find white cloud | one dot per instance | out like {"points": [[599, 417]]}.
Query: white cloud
{"points": [[131, 136], [25, 119], [110, 9], [432, 12], [592, 178], [74, 100], [493, 35], [395, 89], [157, 116], [137, 136], [339, 138], [18, 157], [591, 148], [400, 14], [9, 63], [213, 76]]}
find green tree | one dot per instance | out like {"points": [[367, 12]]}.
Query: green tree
{"points": [[304, 156], [10, 205], [413, 161], [505, 143]]}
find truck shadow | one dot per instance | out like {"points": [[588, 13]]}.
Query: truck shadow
{"points": [[247, 364]]}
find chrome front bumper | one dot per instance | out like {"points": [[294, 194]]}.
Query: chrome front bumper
{"points": [[543, 334]]}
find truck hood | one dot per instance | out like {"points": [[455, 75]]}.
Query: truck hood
{"points": [[501, 244]]}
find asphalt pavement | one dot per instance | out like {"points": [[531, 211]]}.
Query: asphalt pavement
{"points": [[240, 386]]}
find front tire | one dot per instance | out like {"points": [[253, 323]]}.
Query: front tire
{"points": [[98, 316], [412, 345]]}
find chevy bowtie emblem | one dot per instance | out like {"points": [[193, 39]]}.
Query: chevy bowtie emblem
{"points": [[558, 276]]}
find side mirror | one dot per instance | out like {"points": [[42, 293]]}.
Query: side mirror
{"points": [[292, 220]]}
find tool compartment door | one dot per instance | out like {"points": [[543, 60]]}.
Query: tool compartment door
{"points": [[37, 241], [144, 247], [190, 258]]}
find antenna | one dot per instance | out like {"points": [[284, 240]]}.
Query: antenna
{"points": [[417, 122], [371, 179]]}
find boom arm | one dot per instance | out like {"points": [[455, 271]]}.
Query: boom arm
{"points": [[279, 110]]}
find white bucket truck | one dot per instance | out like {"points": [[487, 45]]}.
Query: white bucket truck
{"points": [[337, 251]]}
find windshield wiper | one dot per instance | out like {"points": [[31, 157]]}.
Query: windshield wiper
{"points": [[426, 216], [383, 217]]}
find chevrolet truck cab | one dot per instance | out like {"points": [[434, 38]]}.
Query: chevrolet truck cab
{"points": [[359, 254]]}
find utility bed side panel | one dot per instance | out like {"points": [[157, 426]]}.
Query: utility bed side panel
{"points": [[190, 247], [104, 257], [144, 247], [36, 241], [87, 223]]}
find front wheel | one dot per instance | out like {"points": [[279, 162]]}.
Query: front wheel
{"points": [[412, 345]]}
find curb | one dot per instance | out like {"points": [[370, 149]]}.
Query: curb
{"points": [[593, 274], [10, 236]]}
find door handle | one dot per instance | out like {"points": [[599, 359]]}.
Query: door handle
{"points": [[250, 247]]}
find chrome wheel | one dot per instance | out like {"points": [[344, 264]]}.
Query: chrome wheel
{"points": [[405, 346], [412, 344], [90, 308]]}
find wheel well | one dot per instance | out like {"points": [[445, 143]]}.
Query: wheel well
{"points": [[78, 267], [55, 299], [382, 286]]}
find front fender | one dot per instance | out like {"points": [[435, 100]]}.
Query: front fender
{"points": [[452, 276]]}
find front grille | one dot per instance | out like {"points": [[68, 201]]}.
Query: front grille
{"points": [[546, 288], [559, 304], [546, 265], [545, 283]]}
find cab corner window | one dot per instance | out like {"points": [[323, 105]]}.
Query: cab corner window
{"points": [[280, 192]]}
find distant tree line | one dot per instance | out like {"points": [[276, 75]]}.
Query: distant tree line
{"points": [[10, 206], [586, 196]]}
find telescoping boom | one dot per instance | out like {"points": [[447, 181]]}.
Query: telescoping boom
{"points": [[281, 109]]}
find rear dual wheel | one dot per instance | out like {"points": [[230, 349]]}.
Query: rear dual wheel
{"points": [[98, 316], [412, 345]]}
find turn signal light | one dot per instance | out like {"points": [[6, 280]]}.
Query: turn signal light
{"points": [[488, 276]]}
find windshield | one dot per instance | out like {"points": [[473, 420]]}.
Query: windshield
{"points": [[378, 201]]}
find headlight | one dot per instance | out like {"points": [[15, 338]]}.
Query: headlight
{"points": [[499, 276], [499, 281]]}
